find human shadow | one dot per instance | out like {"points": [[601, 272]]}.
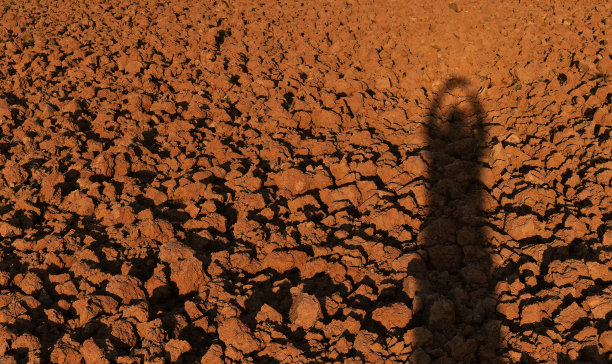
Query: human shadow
{"points": [[454, 300]]}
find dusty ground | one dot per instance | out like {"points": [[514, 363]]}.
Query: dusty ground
{"points": [[267, 181]]}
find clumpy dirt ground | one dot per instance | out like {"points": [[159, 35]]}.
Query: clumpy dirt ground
{"points": [[285, 182]]}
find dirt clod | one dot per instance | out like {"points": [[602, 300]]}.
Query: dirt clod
{"points": [[235, 333], [305, 310]]}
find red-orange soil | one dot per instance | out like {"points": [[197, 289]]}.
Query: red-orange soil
{"points": [[277, 181]]}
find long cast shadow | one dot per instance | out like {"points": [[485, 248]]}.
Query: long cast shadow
{"points": [[454, 304]]}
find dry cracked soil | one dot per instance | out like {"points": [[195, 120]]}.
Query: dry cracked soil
{"points": [[305, 182]]}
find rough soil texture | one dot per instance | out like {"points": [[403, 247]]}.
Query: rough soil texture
{"points": [[286, 182]]}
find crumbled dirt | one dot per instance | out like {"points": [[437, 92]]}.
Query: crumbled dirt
{"points": [[259, 181]]}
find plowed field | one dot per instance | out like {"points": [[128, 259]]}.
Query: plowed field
{"points": [[305, 182]]}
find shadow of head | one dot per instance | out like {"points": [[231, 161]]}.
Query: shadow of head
{"points": [[455, 120]]}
